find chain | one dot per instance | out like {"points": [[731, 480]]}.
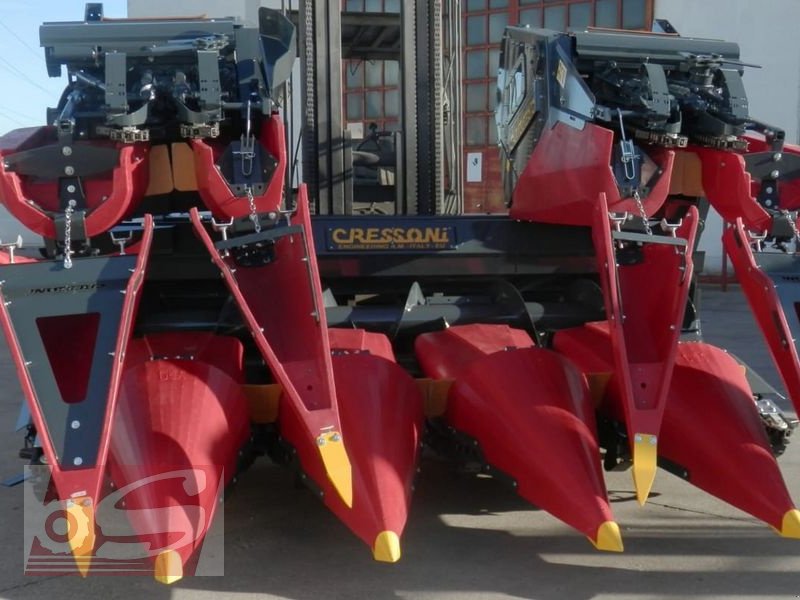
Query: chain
{"points": [[68, 234], [792, 223], [253, 214], [642, 213]]}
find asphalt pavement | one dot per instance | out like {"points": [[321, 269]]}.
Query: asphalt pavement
{"points": [[468, 537]]}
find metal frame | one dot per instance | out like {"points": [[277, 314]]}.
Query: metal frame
{"points": [[423, 170]]}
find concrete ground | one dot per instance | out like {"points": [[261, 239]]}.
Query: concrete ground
{"points": [[467, 538]]}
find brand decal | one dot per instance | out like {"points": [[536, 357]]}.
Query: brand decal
{"points": [[66, 289], [391, 238]]}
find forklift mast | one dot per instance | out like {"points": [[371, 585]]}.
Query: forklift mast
{"points": [[425, 38]]}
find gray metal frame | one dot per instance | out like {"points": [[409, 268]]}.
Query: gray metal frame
{"points": [[422, 165], [323, 123], [92, 285]]}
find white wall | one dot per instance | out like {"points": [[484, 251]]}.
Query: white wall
{"points": [[767, 33], [246, 9]]}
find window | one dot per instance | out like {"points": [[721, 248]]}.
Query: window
{"points": [[633, 14], [531, 16], [373, 92], [374, 105], [476, 64], [606, 13], [374, 73], [580, 15], [555, 17]]}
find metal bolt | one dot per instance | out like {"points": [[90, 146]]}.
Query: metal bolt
{"points": [[336, 437], [768, 202], [637, 438], [71, 189], [775, 174], [69, 170], [653, 441], [77, 461], [75, 424], [66, 151], [320, 441], [770, 189], [777, 156], [87, 502]]}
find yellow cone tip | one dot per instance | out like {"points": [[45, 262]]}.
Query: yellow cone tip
{"points": [[169, 567], [337, 465], [80, 532], [645, 461], [387, 547], [609, 538], [790, 527]]}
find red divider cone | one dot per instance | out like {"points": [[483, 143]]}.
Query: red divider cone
{"points": [[380, 408], [711, 428], [530, 412], [181, 420]]}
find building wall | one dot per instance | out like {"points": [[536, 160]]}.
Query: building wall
{"points": [[247, 9], [767, 35]]}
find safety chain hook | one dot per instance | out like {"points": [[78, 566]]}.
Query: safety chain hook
{"points": [[68, 234], [253, 214], [642, 213], [792, 218]]}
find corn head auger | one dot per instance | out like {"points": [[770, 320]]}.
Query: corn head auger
{"points": [[187, 313]]}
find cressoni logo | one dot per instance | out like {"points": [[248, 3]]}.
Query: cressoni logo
{"points": [[391, 238]]}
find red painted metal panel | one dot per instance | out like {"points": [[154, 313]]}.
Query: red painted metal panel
{"points": [[570, 168], [382, 419], [710, 422], [645, 304], [179, 425], [214, 190], [109, 198], [85, 482], [728, 187], [760, 292], [713, 430], [530, 411]]}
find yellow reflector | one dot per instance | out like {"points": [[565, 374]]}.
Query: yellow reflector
{"points": [[387, 547], [80, 532], [645, 461], [169, 567], [337, 464], [609, 538], [790, 528]]}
